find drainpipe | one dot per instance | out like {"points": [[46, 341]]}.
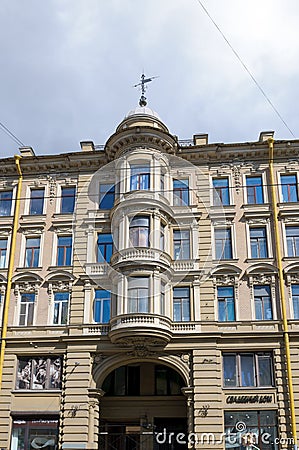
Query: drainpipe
{"points": [[10, 266], [282, 292]]}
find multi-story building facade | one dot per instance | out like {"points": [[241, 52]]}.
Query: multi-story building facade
{"points": [[143, 293]]}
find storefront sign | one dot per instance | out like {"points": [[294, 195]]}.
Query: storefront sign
{"points": [[249, 399]]}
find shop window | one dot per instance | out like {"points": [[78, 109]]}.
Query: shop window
{"points": [[250, 430], [39, 433]]}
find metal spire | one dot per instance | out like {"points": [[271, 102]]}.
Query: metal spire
{"points": [[143, 82]]}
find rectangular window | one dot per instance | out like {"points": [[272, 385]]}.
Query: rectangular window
{"points": [[39, 373], [139, 231], [3, 253], [167, 381], [181, 244], [61, 308], [107, 196], [26, 309], [260, 427], [263, 303], [140, 177], [254, 189], [35, 433], [181, 192], [223, 243], [102, 306], [292, 237], [32, 252], [162, 237], [247, 369], [124, 380], [221, 191], [138, 295], [36, 201], [258, 242], [64, 251], [226, 304], [181, 304], [5, 203], [68, 196], [289, 188], [295, 300], [105, 247]]}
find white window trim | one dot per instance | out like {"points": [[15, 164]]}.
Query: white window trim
{"points": [[231, 281], [278, 176], [271, 283], [230, 190], [285, 225], [264, 224], [30, 187], [55, 247], [232, 227], [264, 185], [26, 236], [191, 242]]}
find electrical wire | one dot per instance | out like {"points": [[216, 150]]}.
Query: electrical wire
{"points": [[165, 191], [246, 68], [11, 135]]}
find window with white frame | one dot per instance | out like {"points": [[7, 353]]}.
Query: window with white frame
{"points": [[181, 192], [223, 243], [140, 176], [102, 306], [138, 294], [289, 188], [27, 303], [3, 253], [295, 300], [61, 308], [107, 196], [139, 231], [258, 242], [5, 203], [221, 195], [162, 298], [64, 250], [254, 189], [181, 244], [181, 304], [226, 303], [292, 240], [263, 302], [32, 252], [36, 205], [68, 197]]}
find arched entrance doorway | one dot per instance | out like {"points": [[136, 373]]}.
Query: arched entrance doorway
{"points": [[143, 408]]}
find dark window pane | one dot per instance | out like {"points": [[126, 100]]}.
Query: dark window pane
{"points": [[140, 177], [5, 203], [221, 191], [265, 370], [105, 247], [229, 370], [181, 192], [68, 200], [102, 306], [64, 251], [289, 188], [247, 370], [36, 201], [107, 196], [254, 186]]}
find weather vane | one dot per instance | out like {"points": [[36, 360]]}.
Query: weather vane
{"points": [[143, 82]]}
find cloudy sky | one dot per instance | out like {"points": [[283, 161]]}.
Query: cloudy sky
{"points": [[68, 68]]}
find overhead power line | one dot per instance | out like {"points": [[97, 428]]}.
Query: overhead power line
{"points": [[11, 135], [246, 68]]}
